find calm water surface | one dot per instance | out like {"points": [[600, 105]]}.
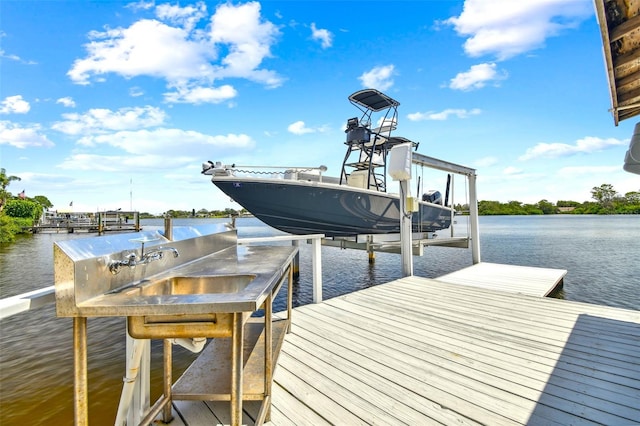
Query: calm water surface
{"points": [[36, 358]]}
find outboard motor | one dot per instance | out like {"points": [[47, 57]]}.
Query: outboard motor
{"points": [[432, 196]]}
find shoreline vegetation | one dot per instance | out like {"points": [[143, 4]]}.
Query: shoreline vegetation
{"points": [[19, 213]]}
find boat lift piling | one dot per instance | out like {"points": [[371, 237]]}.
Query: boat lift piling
{"points": [[400, 170]]}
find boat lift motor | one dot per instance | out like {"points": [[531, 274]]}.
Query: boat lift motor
{"points": [[432, 196]]}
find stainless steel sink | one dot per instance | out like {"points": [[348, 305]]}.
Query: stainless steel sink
{"points": [[191, 285], [210, 289], [186, 325]]}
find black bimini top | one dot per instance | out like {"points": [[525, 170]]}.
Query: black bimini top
{"points": [[373, 100]]}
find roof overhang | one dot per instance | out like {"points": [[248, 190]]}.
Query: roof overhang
{"points": [[619, 22]]}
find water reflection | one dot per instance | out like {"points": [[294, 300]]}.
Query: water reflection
{"points": [[36, 359]]}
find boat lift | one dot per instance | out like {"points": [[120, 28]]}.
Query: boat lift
{"points": [[391, 243]]}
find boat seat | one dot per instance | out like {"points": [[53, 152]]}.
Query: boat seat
{"points": [[387, 125], [381, 134]]}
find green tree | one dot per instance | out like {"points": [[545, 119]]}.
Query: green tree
{"points": [[4, 183], [547, 207], [9, 227], [604, 195], [23, 209], [43, 201], [565, 203], [633, 197]]}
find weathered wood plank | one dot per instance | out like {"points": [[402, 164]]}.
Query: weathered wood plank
{"points": [[192, 413], [497, 360], [384, 395], [420, 351], [294, 379], [587, 395], [516, 279], [478, 389], [537, 321], [290, 411]]}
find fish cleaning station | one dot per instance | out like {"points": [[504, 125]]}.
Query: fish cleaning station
{"points": [[483, 345]]}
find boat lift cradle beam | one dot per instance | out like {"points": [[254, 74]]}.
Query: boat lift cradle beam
{"points": [[390, 242], [435, 163]]}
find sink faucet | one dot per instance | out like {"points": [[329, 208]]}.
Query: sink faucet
{"points": [[156, 254], [131, 260]]}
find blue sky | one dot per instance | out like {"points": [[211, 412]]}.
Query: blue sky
{"points": [[111, 104]]}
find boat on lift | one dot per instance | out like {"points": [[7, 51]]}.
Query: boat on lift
{"points": [[302, 200]]}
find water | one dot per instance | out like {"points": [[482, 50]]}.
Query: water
{"points": [[36, 357]]}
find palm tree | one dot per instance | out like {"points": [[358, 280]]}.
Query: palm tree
{"points": [[4, 182]]}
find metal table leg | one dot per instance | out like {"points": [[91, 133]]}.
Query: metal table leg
{"points": [[236, 369], [81, 394]]}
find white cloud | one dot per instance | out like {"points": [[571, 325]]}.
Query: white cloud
{"points": [[100, 120], [3, 54], [16, 58], [186, 17], [574, 171], [141, 5], [22, 137], [477, 77], [167, 142], [299, 128], [147, 47], [67, 101], [443, 115], [486, 162], [14, 105], [506, 28], [512, 171], [379, 77], [199, 95], [124, 163], [248, 39], [135, 92], [171, 47], [586, 145], [324, 36]]}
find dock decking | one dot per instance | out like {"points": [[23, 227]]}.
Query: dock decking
{"points": [[421, 351], [529, 280]]}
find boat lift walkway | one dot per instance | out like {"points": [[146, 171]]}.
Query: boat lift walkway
{"points": [[423, 351]]}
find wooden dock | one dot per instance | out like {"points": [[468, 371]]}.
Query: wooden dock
{"points": [[420, 351], [510, 278]]}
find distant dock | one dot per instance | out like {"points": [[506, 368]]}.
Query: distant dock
{"points": [[425, 351], [109, 221]]}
